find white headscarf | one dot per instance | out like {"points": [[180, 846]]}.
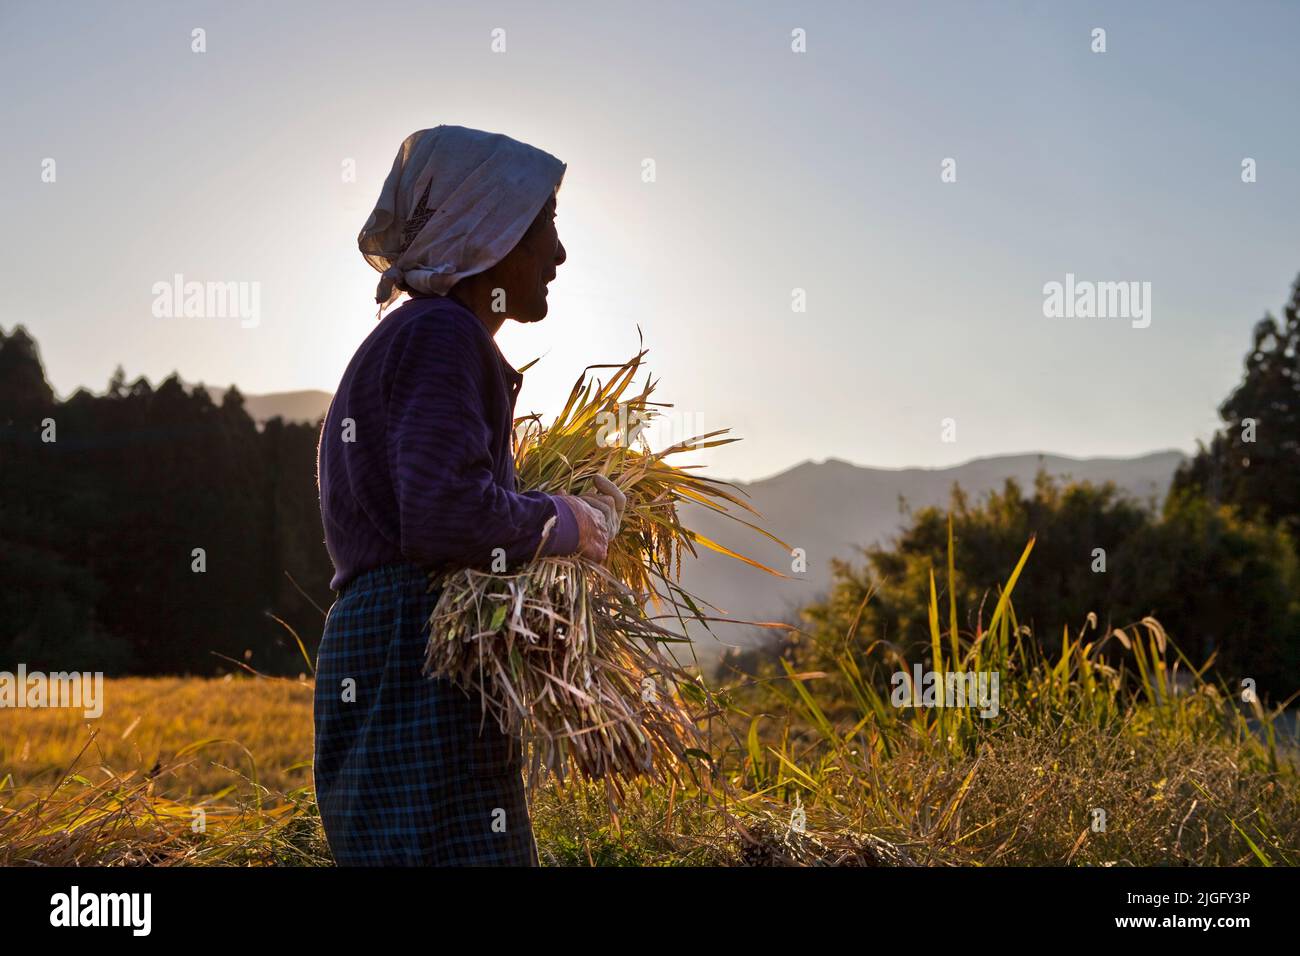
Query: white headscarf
{"points": [[483, 192]]}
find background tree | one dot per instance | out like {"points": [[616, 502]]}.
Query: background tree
{"points": [[1220, 583], [25, 396], [98, 529], [1259, 476]]}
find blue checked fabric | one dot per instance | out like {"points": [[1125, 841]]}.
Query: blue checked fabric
{"points": [[408, 773]]}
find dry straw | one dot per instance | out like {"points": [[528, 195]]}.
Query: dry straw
{"points": [[566, 653]]}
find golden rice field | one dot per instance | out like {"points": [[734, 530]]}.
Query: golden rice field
{"points": [[1182, 785], [1116, 726], [252, 731], [122, 789]]}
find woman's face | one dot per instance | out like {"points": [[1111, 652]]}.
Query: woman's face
{"points": [[529, 267]]}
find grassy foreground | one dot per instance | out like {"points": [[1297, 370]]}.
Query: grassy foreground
{"points": [[1178, 784], [1114, 751]]}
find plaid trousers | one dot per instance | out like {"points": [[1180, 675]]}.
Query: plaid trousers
{"points": [[407, 772]]}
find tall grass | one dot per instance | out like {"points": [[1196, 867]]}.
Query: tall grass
{"points": [[1114, 750]]}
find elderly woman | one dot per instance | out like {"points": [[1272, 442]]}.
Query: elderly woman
{"points": [[416, 474]]}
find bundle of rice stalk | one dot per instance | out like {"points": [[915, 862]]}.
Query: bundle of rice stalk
{"points": [[563, 651]]}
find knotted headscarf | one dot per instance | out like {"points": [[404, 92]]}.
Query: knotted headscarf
{"points": [[455, 203]]}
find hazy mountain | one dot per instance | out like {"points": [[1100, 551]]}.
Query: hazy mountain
{"points": [[307, 406], [828, 508]]}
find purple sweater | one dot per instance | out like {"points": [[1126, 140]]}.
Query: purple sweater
{"points": [[414, 463]]}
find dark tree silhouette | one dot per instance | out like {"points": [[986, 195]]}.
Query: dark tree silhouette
{"points": [[154, 532], [1253, 461]]}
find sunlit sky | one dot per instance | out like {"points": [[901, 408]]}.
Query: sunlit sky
{"points": [[775, 170]]}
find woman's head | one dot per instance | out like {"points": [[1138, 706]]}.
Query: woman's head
{"points": [[459, 204]]}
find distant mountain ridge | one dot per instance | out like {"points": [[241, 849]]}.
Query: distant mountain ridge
{"points": [[833, 507], [307, 406]]}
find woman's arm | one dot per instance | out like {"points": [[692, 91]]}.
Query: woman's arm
{"points": [[450, 507]]}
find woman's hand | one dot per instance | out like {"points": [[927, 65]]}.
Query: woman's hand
{"points": [[599, 516], [607, 489], [593, 529]]}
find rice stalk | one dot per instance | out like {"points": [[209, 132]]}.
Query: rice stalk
{"points": [[564, 652]]}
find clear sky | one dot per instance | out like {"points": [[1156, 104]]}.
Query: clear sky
{"points": [[775, 170]]}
